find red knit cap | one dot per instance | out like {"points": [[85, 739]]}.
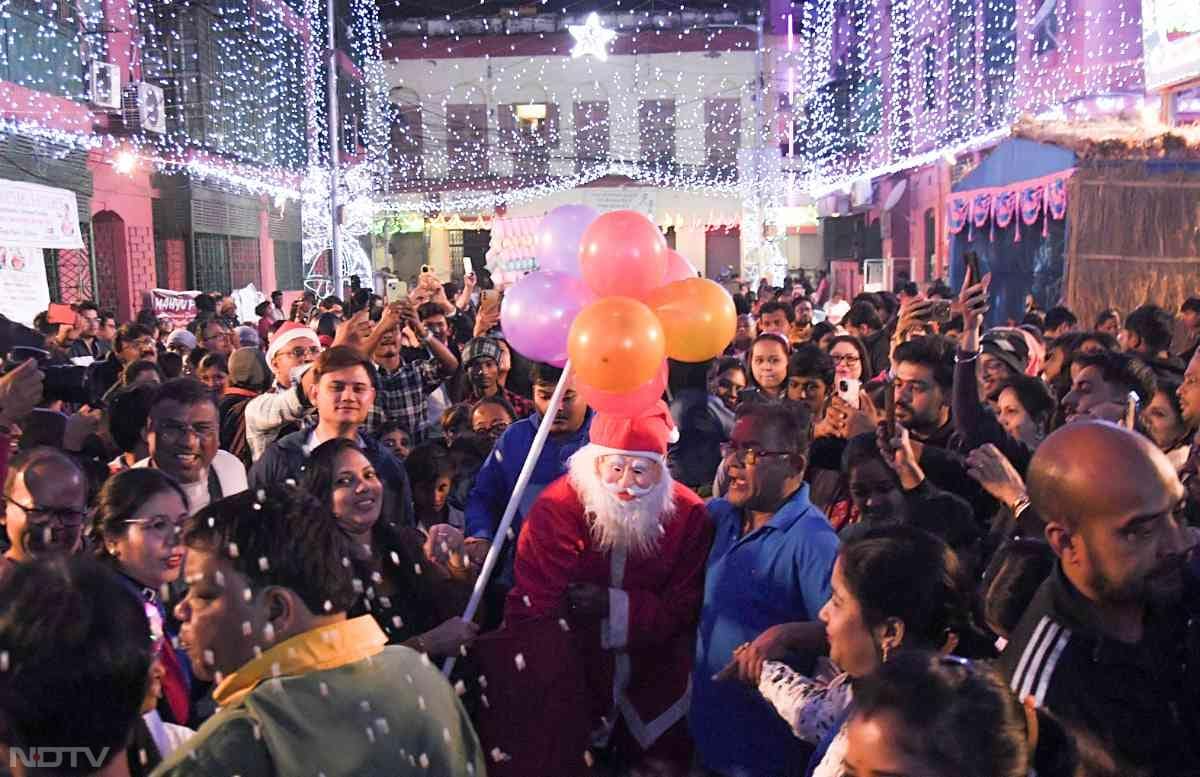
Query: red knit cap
{"points": [[646, 435]]}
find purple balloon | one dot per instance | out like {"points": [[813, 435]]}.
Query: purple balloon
{"points": [[558, 237], [537, 312]]}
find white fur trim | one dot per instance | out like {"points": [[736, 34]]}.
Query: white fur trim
{"points": [[278, 342], [673, 435], [614, 630], [604, 450]]}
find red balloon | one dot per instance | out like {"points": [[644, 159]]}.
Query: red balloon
{"points": [[629, 404], [678, 268], [622, 254]]}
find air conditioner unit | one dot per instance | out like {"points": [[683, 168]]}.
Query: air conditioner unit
{"points": [[145, 109], [105, 85]]}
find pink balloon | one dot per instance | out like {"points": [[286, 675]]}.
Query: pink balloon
{"points": [[629, 404], [622, 254], [678, 268], [558, 236], [537, 312]]}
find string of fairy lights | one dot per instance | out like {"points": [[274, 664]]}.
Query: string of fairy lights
{"points": [[859, 87]]}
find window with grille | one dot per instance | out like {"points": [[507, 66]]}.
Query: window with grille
{"points": [[405, 152], [466, 140], [529, 131], [656, 126], [210, 262], [289, 265], [722, 134], [591, 134], [40, 47]]}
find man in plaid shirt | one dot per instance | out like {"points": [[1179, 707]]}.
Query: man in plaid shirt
{"points": [[403, 390]]}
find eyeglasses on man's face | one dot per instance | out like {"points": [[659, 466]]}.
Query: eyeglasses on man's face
{"points": [[68, 518]]}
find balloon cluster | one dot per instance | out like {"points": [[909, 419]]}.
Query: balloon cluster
{"points": [[612, 297]]}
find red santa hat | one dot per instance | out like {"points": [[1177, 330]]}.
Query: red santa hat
{"points": [[285, 334], [647, 435]]}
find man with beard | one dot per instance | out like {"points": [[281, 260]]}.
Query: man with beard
{"points": [[1102, 385], [617, 550], [45, 499], [1106, 644], [183, 433], [924, 378], [481, 360], [405, 385]]}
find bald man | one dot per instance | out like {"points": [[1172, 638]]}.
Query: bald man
{"points": [[45, 498], [1104, 643]]}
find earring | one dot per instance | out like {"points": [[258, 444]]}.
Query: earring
{"points": [[887, 649]]}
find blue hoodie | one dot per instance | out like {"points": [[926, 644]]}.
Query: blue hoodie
{"points": [[498, 477]]}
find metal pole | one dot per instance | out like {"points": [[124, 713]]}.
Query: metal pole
{"points": [[514, 501], [335, 267]]}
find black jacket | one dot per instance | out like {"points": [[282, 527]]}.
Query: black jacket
{"points": [[284, 459], [102, 376], [1141, 702]]}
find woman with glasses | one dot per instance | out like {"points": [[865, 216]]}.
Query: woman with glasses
{"points": [[850, 359], [136, 529], [894, 588], [414, 584]]}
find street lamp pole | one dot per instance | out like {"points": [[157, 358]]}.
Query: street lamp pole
{"points": [[335, 266]]}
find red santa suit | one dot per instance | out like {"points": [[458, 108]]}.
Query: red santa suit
{"points": [[637, 661]]}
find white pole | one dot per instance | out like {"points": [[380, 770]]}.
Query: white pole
{"points": [[493, 556], [335, 267]]}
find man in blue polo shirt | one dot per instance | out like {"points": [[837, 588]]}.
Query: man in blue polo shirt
{"points": [[770, 563]]}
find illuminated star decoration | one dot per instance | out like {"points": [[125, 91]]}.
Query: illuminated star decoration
{"points": [[591, 38]]}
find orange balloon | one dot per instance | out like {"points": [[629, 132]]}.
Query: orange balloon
{"points": [[616, 344], [697, 316]]}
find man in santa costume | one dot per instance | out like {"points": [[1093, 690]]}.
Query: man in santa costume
{"points": [[616, 551]]}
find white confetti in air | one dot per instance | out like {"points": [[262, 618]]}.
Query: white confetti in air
{"points": [[143, 758], [366, 705], [328, 606], [324, 689], [417, 568], [562, 624], [257, 731], [385, 602], [482, 681], [290, 482], [397, 621], [3, 660], [510, 535], [519, 660], [165, 592], [409, 678], [462, 650], [257, 651], [263, 564], [588, 759], [269, 633], [208, 658], [247, 629], [446, 734], [219, 578], [460, 688], [233, 548], [525, 600], [421, 702], [483, 699], [371, 735], [275, 669], [395, 558], [261, 495], [257, 506], [218, 677], [358, 586], [381, 725], [246, 594], [376, 578], [470, 768], [346, 561], [424, 761], [499, 755]]}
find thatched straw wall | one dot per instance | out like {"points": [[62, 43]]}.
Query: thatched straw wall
{"points": [[1134, 238]]}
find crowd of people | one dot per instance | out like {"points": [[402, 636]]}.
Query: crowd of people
{"points": [[875, 537]]}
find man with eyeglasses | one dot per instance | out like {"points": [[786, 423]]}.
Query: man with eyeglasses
{"points": [[215, 336], [45, 498], [133, 342], [279, 411], [183, 433], [770, 564]]}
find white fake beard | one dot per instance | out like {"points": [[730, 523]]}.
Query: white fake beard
{"points": [[636, 526]]}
